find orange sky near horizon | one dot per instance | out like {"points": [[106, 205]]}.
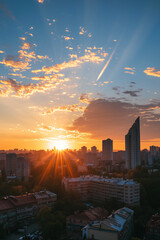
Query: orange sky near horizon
{"points": [[64, 144], [75, 72]]}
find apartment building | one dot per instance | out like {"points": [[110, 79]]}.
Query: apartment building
{"points": [[153, 228], [118, 226], [7, 213], [99, 189], [18, 209], [45, 198]]}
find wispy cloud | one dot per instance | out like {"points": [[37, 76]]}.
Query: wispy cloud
{"points": [[130, 70], [66, 108], [89, 57], [15, 63], [7, 11], [82, 31], [11, 87], [84, 98], [151, 71], [133, 93], [17, 75], [68, 38]]}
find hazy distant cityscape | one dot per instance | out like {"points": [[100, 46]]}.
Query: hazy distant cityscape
{"points": [[34, 182]]}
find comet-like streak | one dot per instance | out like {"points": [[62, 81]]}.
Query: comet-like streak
{"points": [[106, 65]]}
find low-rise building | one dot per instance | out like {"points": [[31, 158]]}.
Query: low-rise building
{"points": [[99, 189], [18, 209], [45, 198], [118, 226], [25, 205], [7, 213], [80, 219], [153, 228]]}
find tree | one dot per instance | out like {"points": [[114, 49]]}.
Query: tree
{"points": [[52, 224]]}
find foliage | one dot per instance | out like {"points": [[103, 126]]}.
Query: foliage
{"points": [[51, 224]]}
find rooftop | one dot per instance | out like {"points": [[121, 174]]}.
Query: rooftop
{"points": [[43, 194], [22, 200], [116, 220], [5, 205], [119, 181], [91, 214]]}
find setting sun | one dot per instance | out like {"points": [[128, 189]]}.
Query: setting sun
{"points": [[59, 144]]}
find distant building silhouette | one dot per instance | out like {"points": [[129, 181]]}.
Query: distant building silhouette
{"points": [[132, 146], [18, 166], [94, 149], [107, 149], [84, 149]]}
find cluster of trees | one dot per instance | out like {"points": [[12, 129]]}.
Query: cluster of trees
{"points": [[52, 222]]}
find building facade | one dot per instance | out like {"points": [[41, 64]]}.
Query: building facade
{"points": [[132, 146], [99, 189]]}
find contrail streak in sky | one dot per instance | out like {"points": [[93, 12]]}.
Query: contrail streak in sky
{"points": [[106, 65]]}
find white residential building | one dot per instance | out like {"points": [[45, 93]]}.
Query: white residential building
{"points": [[99, 189]]}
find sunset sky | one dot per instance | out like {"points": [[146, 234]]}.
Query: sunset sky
{"points": [[78, 71]]}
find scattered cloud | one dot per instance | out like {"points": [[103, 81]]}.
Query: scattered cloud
{"points": [[130, 70], [1, 51], [26, 46], [41, 1], [42, 57], [15, 63], [22, 38], [84, 98], [133, 93], [151, 71], [11, 87], [82, 31], [89, 57], [17, 75], [66, 108], [68, 38]]}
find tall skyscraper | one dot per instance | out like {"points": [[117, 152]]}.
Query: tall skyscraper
{"points": [[132, 146], [107, 149]]}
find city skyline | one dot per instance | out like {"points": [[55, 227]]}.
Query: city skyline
{"points": [[74, 73]]}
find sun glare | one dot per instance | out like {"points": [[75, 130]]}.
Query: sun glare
{"points": [[59, 144]]}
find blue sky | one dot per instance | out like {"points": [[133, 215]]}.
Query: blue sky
{"points": [[51, 54]]}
